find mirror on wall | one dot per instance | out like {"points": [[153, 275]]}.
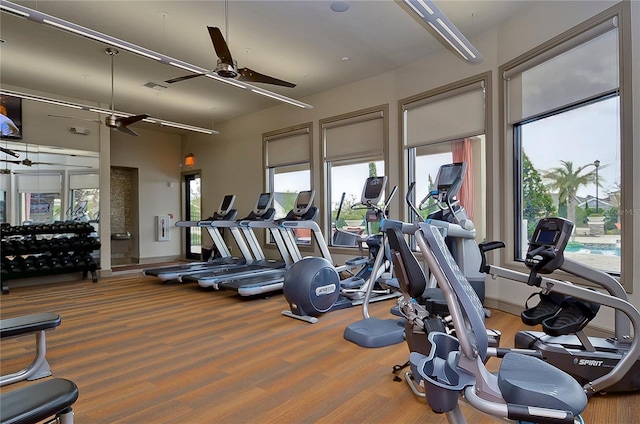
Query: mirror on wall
{"points": [[45, 184]]}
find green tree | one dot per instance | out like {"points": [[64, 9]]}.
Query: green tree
{"points": [[536, 201], [567, 180], [373, 171]]}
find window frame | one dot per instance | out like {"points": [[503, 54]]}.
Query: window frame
{"points": [[483, 79], [622, 13], [355, 158], [269, 171]]}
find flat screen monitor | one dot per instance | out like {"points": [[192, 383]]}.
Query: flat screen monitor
{"points": [[227, 203], [373, 189], [10, 117]]}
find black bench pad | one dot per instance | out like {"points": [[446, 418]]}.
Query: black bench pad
{"points": [[26, 324], [36, 402]]}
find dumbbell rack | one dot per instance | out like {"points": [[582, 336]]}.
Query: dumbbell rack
{"points": [[49, 249]]}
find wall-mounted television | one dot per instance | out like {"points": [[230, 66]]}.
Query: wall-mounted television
{"points": [[10, 117]]}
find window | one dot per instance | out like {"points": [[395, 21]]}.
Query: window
{"points": [[288, 170], [84, 201], [39, 197], [348, 180], [353, 149], [567, 145], [444, 126]]}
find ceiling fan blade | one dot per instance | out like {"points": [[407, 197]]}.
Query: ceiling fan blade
{"points": [[250, 75], [126, 130], [131, 119], [220, 46], [17, 162], [9, 152], [73, 117], [60, 164], [186, 77]]}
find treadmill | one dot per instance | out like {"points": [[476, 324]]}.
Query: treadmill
{"points": [[282, 231], [225, 213], [259, 264]]}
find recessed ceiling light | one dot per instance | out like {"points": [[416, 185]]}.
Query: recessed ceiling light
{"points": [[340, 6], [345, 59]]}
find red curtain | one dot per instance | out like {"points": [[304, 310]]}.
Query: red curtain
{"points": [[462, 153]]}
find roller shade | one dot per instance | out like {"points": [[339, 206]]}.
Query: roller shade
{"points": [[288, 148], [42, 183], [582, 68], [451, 115], [361, 135], [79, 181]]}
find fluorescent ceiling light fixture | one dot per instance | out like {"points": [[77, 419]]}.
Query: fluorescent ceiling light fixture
{"points": [[88, 108], [430, 14], [43, 18]]}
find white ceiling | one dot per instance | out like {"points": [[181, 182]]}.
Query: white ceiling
{"points": [[300, 41]]}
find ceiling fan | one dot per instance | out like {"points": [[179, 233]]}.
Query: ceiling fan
{"points": [[28, 162], [226, 66], [112, 121]]}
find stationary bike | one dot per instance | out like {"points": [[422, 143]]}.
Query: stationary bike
{"points": [[600, 364]]}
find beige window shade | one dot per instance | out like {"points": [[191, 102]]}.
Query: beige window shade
{"points": [[79, 181], [41, 183], [447, 116], [288, 148], [354, 137], [582, 68]]}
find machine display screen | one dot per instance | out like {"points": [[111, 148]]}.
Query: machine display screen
{"points": [[226, 202], [263, 201], [546, 237], [303, 200], [373, 189], [448, 175]]}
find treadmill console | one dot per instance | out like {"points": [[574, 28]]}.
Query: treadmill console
{"points": [[264, 203], [303, 203], [227, 204], [546, 247], [373, 189]]}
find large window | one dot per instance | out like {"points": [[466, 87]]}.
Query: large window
{"points": [[565, 116], [443, 126], [288, 170], [353, 149]]}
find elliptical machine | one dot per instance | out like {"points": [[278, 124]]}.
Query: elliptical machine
{"points": [[601, 364], [313, 285]]}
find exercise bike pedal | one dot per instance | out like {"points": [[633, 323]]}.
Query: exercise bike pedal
{"points": [[574, 315], [549, 305]]}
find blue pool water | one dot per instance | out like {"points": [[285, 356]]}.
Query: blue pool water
{"points": [[594, 250]]}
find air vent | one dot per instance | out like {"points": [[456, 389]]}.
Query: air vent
{"points": [[155, 86]]}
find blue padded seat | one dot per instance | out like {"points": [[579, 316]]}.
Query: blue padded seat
{"points": [[526, 380], [38, 401]]}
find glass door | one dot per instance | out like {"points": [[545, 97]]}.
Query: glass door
{"points": [[193, 212]]}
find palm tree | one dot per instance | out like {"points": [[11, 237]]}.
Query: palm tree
{"points": [[567, 181]]}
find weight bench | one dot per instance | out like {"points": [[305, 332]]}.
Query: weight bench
{"points": [[38, 401], [28, 324]]}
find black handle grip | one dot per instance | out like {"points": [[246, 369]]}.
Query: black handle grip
{"points": [[484, 248]]}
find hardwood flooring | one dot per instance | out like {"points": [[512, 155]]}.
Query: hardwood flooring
{"points": [[145, 352]]}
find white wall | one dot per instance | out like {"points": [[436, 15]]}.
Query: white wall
{"points": [[156, 155]]}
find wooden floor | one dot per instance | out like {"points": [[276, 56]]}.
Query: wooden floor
{"points": [[144, 352]]}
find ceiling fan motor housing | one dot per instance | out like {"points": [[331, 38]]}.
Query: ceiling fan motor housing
{"points": [[226, 70], [111, 121]]}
